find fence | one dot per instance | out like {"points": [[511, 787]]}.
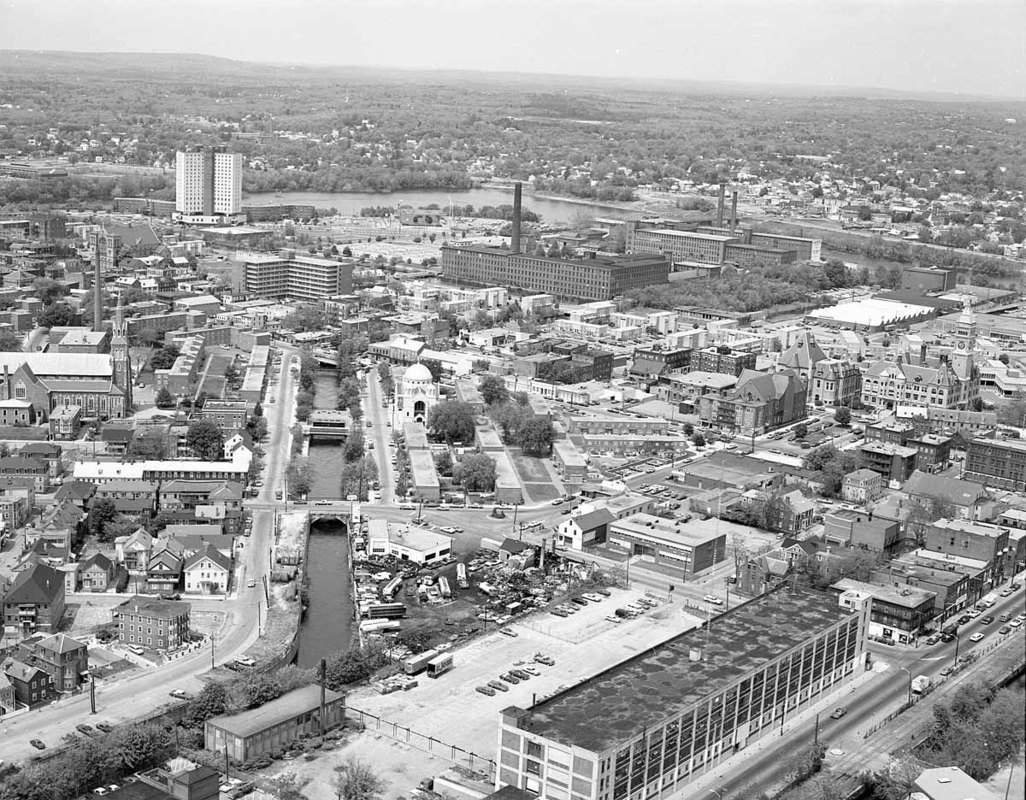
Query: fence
{"points": [[428, 744]]}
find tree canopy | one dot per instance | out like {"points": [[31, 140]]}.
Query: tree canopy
{"points": [[205, 439], [452, 421]]}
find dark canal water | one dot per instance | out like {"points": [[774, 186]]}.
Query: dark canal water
{"points": [[328, 624]]}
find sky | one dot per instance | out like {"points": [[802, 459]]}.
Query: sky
{"points": [[973, 47]]}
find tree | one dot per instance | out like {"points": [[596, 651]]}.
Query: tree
{"points": [[1003, 358], [150, 446], [801, 430], [56, 315], [443, 462], [286, 786], [475, 472], [10, 342], [434, 367], [298, 477], [354, 448], [164, 357], [923, 512], [48, 290], [842, 416], [357, 780], [205, 439], [164, 398], [698, 440], [102, 511], [493, 390], [452, 421], [535, 436]]}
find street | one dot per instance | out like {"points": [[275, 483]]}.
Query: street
{"points": [[380, 433], [127, 698]]}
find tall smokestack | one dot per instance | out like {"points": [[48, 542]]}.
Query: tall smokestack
{"points": [[733, 211], [97, 292], [514, 245], [722, 204]]}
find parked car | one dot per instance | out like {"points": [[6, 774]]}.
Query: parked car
{"points": [[105, 727], [579, 601], [613, 618], [36, 743], [509, 678], [508, 632], [838, 712], [548, 661], [558, 612], [1005, 629], [180, 694], [87, 729], [947, 671], [499, 686], [519, 673], [986, 620], [976, 637], [488, 690]]}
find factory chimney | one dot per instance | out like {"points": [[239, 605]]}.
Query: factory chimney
{"points": [[97, 291], [514, 245], [733, 211], [720, 206]]}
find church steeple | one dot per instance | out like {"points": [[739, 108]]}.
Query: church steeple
{"points": [[119, 355]]}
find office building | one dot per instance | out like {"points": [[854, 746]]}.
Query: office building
{"points": [[596, 277], [723, 359], [297, 277], [1000, 463], [208, 182], [651, 725]]}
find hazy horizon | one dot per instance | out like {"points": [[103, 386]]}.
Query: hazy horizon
{"points": [[944, 46]]}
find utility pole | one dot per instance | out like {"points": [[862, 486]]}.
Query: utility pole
{"points": [[211, 650], [92, 695], [815, 736]]}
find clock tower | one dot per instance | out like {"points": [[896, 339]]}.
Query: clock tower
{"points": [[119, 356]]}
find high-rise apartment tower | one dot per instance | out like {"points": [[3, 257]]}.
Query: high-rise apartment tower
{"points": [[208, 181]]}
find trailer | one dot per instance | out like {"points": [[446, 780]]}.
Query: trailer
{"points": [[443, 587], [385, 611], [461, 576], [439, 665], [392, 587], [379, 625], [418, 663]]}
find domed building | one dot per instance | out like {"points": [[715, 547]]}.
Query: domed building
{"points": [[415, 394]]}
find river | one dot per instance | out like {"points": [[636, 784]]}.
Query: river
{"points": [[551, 210], [325, 458]]}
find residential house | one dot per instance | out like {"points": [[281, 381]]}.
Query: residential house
{"points": [[47, 452], [134, 551], [17, 499], [96, 573], [8, 703], [155, 624], [116, 439], [18, 466], [578, 532], [862, 486], [31, 684], [63, 659], [129, 496], [164, 571], [970, 500], [78, 492], [62, 524], [208, 572], [35, 602]]}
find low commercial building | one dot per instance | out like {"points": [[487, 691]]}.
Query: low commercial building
{"points": [[672, 713], [681, 549], [898, 613], [892, 461], [275, 725], [571, 463], [507, 483], [406, 542], [862, 530], [969, 539], [424, 477]]}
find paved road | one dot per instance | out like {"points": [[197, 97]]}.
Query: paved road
{"points": [[121, 699], [866, 707], [380, 433]]}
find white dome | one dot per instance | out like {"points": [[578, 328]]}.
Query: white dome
{"points": [[418, 372]]}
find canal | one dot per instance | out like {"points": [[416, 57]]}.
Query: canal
{"points": [[328, 625]]}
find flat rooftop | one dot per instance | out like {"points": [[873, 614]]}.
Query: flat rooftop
{"points": [[904, 595], [663, 681], [289, 706]]}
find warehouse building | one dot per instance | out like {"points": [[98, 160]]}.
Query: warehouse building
{"points": [[650, 725], [275, 725]]}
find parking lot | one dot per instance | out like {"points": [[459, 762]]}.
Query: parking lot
{"points": [[451, 710]]}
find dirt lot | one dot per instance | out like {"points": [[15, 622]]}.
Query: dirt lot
{"points": [[451, 710]]}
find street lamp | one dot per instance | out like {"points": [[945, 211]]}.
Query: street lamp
{"points": [[906, 669], [958, 641]]}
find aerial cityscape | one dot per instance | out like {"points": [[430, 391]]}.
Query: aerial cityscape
{"points": [[454, 428]]}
